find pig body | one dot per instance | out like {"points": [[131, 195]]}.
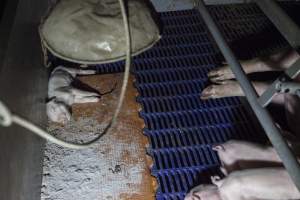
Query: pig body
{"points": [[237, 155], [292, 109], [60, 87], [250, 184], [63, 94], [258, 184], [254, 172], [221, 77], [224, 87], [276, 62]]}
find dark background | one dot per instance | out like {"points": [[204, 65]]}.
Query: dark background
{"points": [[2, 4], [23, 88]]}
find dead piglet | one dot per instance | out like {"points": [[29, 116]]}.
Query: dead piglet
{"points": [[63, 94]]}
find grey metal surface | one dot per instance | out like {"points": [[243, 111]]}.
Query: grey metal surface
{"points": [[289, 160], [23, 87], [291, 73], [171, 5], [266, 98], [289, 87]]}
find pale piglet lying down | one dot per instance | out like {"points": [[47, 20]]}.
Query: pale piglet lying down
{"points": [[250, 184], [255, 173], [63, 94]]}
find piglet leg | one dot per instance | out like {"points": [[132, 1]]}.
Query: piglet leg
{"points": [[275, 62], [70, 95], [228, 89], [225, 73]]}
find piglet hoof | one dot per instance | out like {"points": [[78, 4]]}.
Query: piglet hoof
{"points": [[220, 74], [211, 92], [58, 112], [216, 180], [224, 171]]}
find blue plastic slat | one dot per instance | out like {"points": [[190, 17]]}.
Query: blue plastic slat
{"points": [[170, 77]]}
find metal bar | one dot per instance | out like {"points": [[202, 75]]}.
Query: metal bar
{"points": [[293, 71], [289, 160], [266, 98], [288, 28], [279, 86], [290, 73], [290, 88]]}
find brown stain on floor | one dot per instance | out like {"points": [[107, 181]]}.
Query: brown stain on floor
{"points": [[127, 130]]}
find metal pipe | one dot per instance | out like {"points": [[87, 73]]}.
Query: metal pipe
{"points": [[287, 27], [286, 155], [291, 73]]}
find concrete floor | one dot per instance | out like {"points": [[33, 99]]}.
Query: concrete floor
{"points": [[115, 169]]}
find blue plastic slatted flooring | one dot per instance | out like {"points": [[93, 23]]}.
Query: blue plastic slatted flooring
{"points": [[181, 128], [170, 77]]}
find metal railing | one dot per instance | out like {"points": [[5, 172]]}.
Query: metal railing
{"points": [[291, 32]]}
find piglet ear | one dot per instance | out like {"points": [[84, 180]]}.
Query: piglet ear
{"points": [[218, 147], [224, 171], [216, 180]]}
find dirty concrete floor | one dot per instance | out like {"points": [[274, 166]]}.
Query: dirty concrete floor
{"points": [[115, 169]]}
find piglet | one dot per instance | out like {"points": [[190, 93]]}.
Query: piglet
{"points": [[257, 184], [251, 184], [63, 94], [237, 155]]}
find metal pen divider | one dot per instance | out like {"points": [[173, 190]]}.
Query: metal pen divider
{"points": [[289, 160]]}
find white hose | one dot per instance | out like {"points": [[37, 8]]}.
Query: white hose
{"points": [[7, 118]]}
